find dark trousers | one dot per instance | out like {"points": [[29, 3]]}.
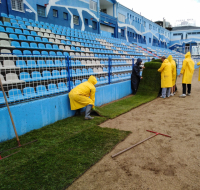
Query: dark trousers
{"points": [[188, 88]]}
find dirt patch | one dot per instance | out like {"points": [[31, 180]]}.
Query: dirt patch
{"points": [[158, 164]]}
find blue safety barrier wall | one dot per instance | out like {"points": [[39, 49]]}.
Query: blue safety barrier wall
{"points": [[39, 113]]}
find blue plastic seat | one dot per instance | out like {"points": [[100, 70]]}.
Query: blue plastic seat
{"points": [[4, 15], [18, 18], [41, 90], [9, 30], [52, 88], [36, 76], [38, 39], [7, 24], [13, 36], [73, 48], [58, 63], [58, 53], [66, 54], [13, 21], [27, 53], [30, 38], [48, 46], [46, 75], [33, 33], [18, 31], [36, 53], [71, 84], [25, 77], [25, 19], [52, 53], [31, 64], [45, 53], [84, 80], [16, 25], [2, 29], [29, 92], [41, 63], [85, 71], [2, 100], [78, 63], [24, 45], [62, 87], [22, 37], [41, 46], [56, 74], [17, 52], [55, 47], [63, 41], [73, 73], [90, 71], [11, 16], [45, 40], [21, 64], [15, 95], [33, 45], [27, 24], [77, 82], [26, 32], [50, 63], [64, 73]]}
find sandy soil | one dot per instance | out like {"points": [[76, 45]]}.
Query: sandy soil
{"points": [[158, 164]]}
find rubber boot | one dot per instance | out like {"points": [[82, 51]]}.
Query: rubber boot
{"points": [[87, 112], [78, 112]]}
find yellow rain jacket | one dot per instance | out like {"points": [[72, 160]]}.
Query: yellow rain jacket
{"points": [[83, 94], [173, 63], [187, 69], [199, 70], [166, 74]]}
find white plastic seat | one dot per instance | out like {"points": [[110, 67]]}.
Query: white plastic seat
{"points": [[5, 52], [57, 36], [57, 41], [89, 62], [95, 70], [98, 62], [30, 27], [52, 36], [4, 43], [87, 49], [71, 54], [12, 78], [93, 62], [67, 48], [78, 43], [48, 31], [36, 29], [83, 54], [3, 35], [78, 54], [83, 62], [1, 65], [61, 47], [2, 79], [9, 64], [82, 49], [46, 35], [51, 40], [42, 30], [40, 34], [63, 38], [73, 43], [87, 54]]}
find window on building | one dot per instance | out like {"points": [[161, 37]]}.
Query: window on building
{"points": [[135, 19], [55, 13], [149, 40], [121, 17], [128, 33], [150, 26], [122, 32], [138, 20], [17, 5], [41, 11], [144, 24], [86, 21], [133, 35], [76, 19], [93, 5], [65, 16], [94, 25], [158, 30]]}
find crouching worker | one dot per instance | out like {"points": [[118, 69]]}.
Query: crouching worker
{"points": [[166, 77], [135, 77], [84, 95]]}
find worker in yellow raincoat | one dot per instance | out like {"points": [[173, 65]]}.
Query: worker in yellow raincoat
{"points": [[173, 63], [84, 95], [166, 77], [199, 70], [187, 71]]}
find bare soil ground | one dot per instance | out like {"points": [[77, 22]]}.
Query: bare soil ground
{"points": [[158, 164]]}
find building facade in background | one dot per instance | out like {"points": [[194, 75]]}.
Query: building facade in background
{"points": [[108, 18]]}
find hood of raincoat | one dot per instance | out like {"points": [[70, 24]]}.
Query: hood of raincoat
{"points": [[170, 58], [138, 61], [188, 55], [92, 80]]}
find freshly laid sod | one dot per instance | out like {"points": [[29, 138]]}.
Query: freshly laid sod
{"points": [[64, 151], [68, 148], [148, 91]]}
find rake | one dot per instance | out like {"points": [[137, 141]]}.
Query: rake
{"points": [[156, 133]]}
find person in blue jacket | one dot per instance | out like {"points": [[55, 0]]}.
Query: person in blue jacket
{"points": [[135, 77]]}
